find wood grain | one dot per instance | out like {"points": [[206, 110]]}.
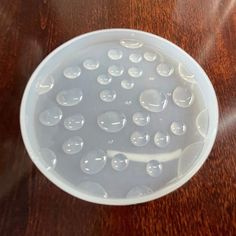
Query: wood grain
{"points": [[30, 204]]}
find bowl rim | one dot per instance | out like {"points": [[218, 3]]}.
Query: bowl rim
{"points": [[113, 201]]}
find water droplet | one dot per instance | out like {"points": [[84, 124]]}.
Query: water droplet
{"points": [[119, 162], [135, 58], [108, 95], [91, 64], [127, 83], [104, 79], [49, 158], [153, 100], [115, 70], [110, 141], [154, 168], [74, 122], [93, 189], [150, 56], [73, 145], [115, 54], [161, 139], [184, 74], [202, 123], [141, 118], [178, 128], [93, 162], [135, 72], [165, 70], [45, 85], [131, 43], [190, 154], [139, 191], [128, 102], [183, 97], [139, 138], [72, 72], [70, 97], [111, 121], [51, 116]]}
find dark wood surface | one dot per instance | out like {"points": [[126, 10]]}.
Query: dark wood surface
{"points": [[30, 204]]}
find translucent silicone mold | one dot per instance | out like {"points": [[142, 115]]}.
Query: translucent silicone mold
{"points": [[119, 117]]}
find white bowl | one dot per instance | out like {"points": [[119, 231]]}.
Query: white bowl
{"points": [[55, 60]]}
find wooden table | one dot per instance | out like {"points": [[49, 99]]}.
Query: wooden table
{"points": [[30, 204]]}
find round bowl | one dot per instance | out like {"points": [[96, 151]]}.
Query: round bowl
{"points": [[127, 50]]}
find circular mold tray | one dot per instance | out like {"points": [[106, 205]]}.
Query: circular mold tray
{"points": [[119, 117]]}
